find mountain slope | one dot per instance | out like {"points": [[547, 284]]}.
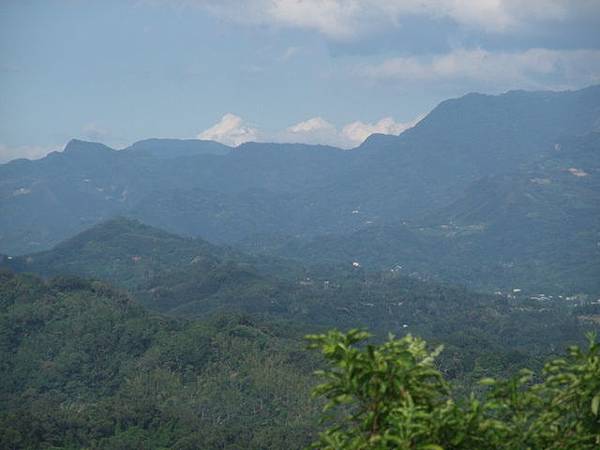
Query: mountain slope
{"points": [[535, 228]]}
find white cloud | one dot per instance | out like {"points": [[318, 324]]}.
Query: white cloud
{"points": [[335, 18], [344, 19], [357, 132], [319, 131], [530, 68], [311, 125], [230, 130], [312, 131]]}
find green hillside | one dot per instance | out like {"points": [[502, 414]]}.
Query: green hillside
{"points": [[84, 367], [122, 251], [170, 279]]}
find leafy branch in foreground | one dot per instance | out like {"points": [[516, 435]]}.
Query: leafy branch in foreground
{"points": [[392, 396]]}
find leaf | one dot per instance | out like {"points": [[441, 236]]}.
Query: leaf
{"points": [[595, 404]]}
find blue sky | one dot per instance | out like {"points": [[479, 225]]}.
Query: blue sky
{"points": [[326, 71]]}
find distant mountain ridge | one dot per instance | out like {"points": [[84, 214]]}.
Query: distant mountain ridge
{"points": [[457, 165], [175, 148]]}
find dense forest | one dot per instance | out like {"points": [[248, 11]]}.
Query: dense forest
{"points": [[85, 366]]}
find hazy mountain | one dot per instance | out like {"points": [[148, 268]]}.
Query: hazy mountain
{"points": [[200, 188], [537, 227]]}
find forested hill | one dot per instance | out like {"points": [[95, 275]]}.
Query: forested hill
{"points": [[83, 366], [204, 189], [133, 255], [188, 278], [122, 251]]}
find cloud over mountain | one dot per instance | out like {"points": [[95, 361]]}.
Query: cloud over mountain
{"points": [[358, 131], [230, 130], [233, 130]]}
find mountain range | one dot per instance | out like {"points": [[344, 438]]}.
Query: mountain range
{"points": [[490, 191]]}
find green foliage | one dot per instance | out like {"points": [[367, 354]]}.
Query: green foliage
{"points": [[182, 277], [121, 251], [389, 390], [392, 396], [83, 366]]}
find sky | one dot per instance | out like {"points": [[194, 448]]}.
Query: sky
{"points": [[313, 71]]}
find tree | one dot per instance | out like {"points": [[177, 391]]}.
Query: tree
{"points": [[392, 396]]}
